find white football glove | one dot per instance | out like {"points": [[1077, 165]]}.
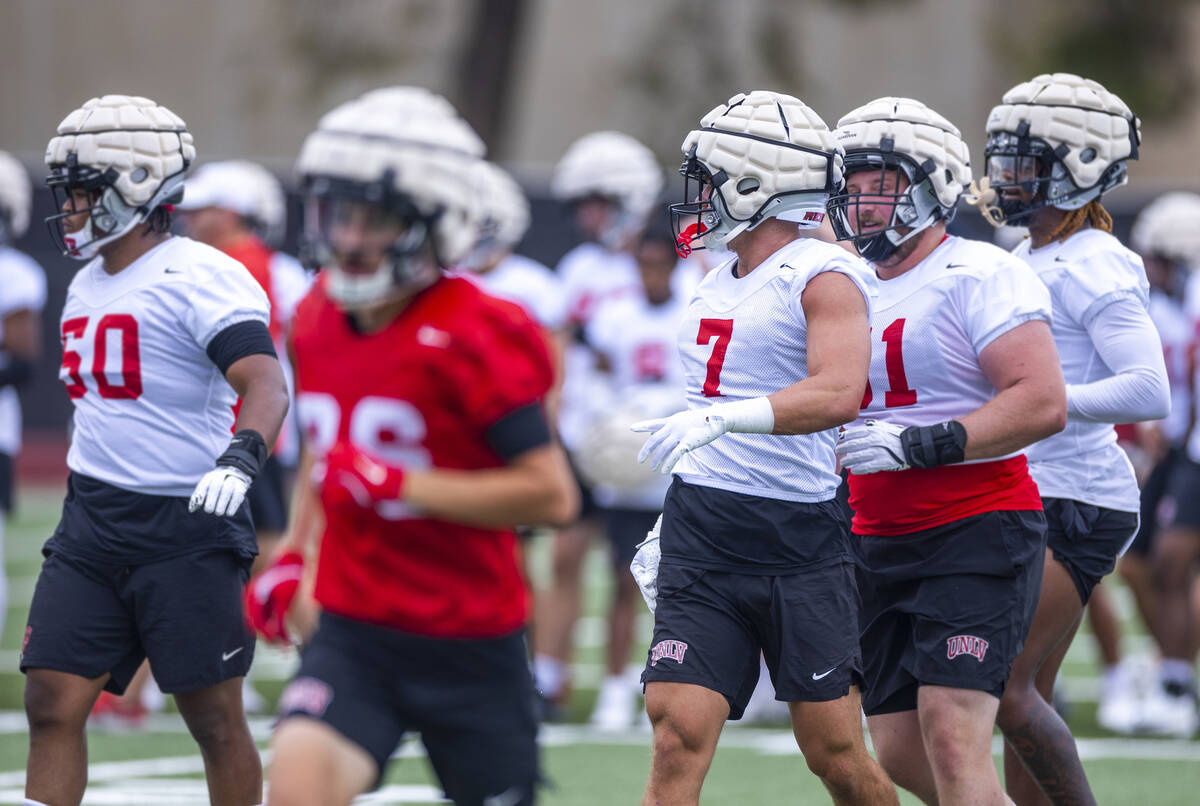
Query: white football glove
{"points": [[871, 447], [672, 437], [645, 565], [220, 492]]}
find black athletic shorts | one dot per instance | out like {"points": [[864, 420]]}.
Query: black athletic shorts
{"points": [[1184, 491], [1086, 539], [267, 505], [947, 606], [1157, 507], [472, 701], [710, 626], [184, 613], [625, 529]]}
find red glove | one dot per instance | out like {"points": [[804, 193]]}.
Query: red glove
{"points": [[348, 476], [269, 595]]}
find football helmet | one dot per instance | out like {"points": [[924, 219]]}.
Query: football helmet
{"points": [[1169, 227], [16, 198], [399, 161], [613, 166], [1057, 140], [129, 154], [504, 216], [760, 155], [244, 187], [607, 455], [890, 135]]}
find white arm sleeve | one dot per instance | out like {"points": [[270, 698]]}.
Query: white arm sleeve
{"points": [[1128, 343]]}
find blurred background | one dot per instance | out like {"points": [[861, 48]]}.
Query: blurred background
{"points": [[251, 78]]}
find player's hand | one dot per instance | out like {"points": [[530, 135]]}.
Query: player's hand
{"points": [[220, 492], [672, 437], [348, 476], [871, 447], [269, 595]]}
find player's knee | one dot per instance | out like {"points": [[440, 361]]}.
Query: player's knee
{"points": [[48, 709], [215, 731], [836, 763], [946, 749]]}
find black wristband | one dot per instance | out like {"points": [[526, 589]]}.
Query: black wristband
{"points": [[247, 451], [934, 445]]}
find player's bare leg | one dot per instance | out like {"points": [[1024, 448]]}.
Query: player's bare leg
{"points": [[830, 736], [614, 708], [956, 728], [314, 765], [687, 722], [57, 705], [1102, 618], [215, 718], [1175, 558], [1041, 763], [901, 751], [1138, 572], [559, 607]]}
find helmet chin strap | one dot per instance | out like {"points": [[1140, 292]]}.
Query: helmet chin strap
{"points": [[84, 243]]}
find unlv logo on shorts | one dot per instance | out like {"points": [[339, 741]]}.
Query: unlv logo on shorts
{"points": [[966, 645], [307, 694], [667, 649]]}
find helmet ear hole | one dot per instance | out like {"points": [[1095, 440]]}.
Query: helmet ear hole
{"points": [[748, 185], [1087, 155]]}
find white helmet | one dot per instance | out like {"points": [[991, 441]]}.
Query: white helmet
{"points": [[1169, 227], [900, 134], [130, 154], [405, 150], [1063, 139], [504, 216], [16, 197], [246, 188], [613, 166], [607, 454], [764, 155]]}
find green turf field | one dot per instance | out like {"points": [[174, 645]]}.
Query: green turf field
{"points": [[753, 765]]}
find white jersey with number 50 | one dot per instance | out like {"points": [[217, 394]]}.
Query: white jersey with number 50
{"points": [[152, 412], [744, 337]]}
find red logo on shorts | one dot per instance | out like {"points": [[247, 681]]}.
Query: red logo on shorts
{"points": [[25, 643], [667, 649], [966, 645], [307, 694]]}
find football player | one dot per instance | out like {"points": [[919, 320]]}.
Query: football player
{"points": [[947, 521], [635, 339], [610, 181], [1056, 144], [420, 398], [160, 336], [1166, 234], [22, 295], [755, 553]]}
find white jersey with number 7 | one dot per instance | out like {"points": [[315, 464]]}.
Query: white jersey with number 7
{"points": [[743, 337]]}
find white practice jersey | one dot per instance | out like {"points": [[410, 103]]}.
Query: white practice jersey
{"points": [[1085, 273], [528, 283], [1175, 330], [592, 276], [928, 328], [22, 287], [152, 412], [640, 343], [745, 337], [929, 325]]}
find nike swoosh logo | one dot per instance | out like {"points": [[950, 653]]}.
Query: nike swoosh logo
{"points": [[172, 271], [956, 265], [823, 674], [1061, 260], [227, 655]]}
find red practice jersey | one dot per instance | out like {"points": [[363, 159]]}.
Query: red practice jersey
{"points": [[421, 393]]}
